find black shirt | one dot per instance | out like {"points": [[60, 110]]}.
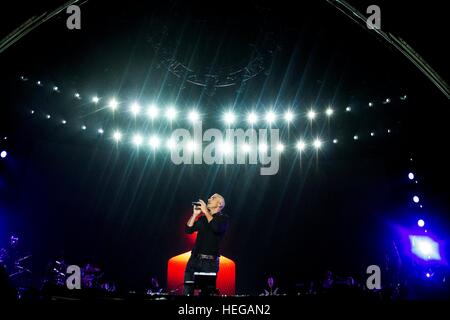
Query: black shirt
{"points": [[209, 234]]}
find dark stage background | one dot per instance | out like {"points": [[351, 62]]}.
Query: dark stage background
{"points": [[78, 195]]}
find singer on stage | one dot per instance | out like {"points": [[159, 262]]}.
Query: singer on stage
{"points": [[211, 227]]}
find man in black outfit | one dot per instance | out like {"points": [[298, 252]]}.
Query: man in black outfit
{"points": [[211, 228]]}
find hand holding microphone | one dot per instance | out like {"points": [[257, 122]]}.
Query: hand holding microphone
{"points": [[196, 211], [200, 205]]}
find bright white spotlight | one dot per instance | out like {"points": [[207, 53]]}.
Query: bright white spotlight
{"points": [[137, 140], [39, 83], [411, 176], [100, 131], [355, 137], [301, 145], [387, 100], [404, 97], [135, 108], [63, 121], [416, 199], [280, 147], [83, 127], [263, 147], [171, 144], [329, 112], [424, 247], [370, 104], [270, 117], [372, 134], [288, 116], [226, 147], [335, 141], [117, 136], [77, 95], [421, 223], [193, 116], [246, 147], [191, 146], [317, 144], [3, 154], [311, 115], [229, 117], [154, 142], [171, 113], [113, 104], [389, 131], [152, 112], [348, 109], [55, 88], [48, 116], [95, 99], [32, 111], [252, 118]]}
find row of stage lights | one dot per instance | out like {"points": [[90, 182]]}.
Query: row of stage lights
{"points": [[416, 198], [229, 117], [101, 131], [425, 247], [171, 114], [155, 142]]}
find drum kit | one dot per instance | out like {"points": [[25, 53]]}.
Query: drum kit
{"points": [[92, 276], [17, 266], [56, 273]]}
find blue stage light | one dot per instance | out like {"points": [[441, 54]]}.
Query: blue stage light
{"points": [[424, 247]]}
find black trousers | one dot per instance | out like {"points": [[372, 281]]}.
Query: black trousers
{"points": [[196, 264]]}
